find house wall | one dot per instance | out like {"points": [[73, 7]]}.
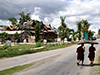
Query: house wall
{"points": [[30, 40]]}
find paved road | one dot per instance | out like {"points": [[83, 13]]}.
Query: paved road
{"points": [[56, 62], [63, 63]]}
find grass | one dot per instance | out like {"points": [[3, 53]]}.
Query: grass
{"points": [[99, 65], [17, 50], [14, 51], [10, 71]]}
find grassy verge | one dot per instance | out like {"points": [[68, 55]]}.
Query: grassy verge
{"points": [[99, 65], [12, 51], [14, 69]]}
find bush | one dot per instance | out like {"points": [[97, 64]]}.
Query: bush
{"points": [[74, 38], [5, 47], [0, 48], [50, 40], [39, 44], [12, 48]]}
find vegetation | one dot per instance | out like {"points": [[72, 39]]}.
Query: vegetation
{"points": [[90, 34], [15, 69], [63, 30], [99, 31], [16, 37], [99, 65], [24, 17], [37, 32], [80, 27], [13, 20], [11, 51], [39, 44], [3, 36]]}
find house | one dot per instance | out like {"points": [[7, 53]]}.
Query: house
{"points": [[11, 33], [46, 31], [3, 27], [27, 31]]}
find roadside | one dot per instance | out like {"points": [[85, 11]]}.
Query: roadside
{"points": [[29, 58], [12, 51], [94, 70], [64, 64]]}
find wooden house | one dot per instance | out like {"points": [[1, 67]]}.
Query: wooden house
{"points": [[46, 31]]}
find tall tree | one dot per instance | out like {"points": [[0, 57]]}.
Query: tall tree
{"points": [[62, 22], [15, 36], [99, 31], [79, 28], [81, 25], [3, 36], [37, 32], [90, 34], [62, 28], [85, 22], [13, 20], [24, 17]]}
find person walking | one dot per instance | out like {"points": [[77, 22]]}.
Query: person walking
{"points": [[80, 54], [91, 55]]}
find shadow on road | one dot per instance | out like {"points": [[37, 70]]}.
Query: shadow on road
{"points": [[88, 65]]}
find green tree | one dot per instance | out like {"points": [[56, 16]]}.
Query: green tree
{"points": [[85, 22], [74, 35], [62, 29], [3, 36], [81, 25], [90, 34], [15, 36], [68, 32], [13, 20], [99, 31], [79, 29], [24, 17], [37, 32]]}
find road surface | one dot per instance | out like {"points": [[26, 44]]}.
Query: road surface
{"points": [[63, 62]]}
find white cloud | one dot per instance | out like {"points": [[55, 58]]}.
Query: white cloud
{"points": [[5, 22], [46, 19], [49, 11], [35, 17], [56, 22]]}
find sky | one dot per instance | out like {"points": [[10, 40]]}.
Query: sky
{"points": [[49, 11]]}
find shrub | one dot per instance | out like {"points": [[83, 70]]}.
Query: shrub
{"points": [[50, 40], [39, 44], [5, 47], [74, 38], [12, 48]]}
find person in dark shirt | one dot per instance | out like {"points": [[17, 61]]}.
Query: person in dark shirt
{"points": [[80, 54], [91, 55]]}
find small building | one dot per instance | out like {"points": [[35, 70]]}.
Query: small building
{"points": [[3, 27], [11, 33], [27, 31]]}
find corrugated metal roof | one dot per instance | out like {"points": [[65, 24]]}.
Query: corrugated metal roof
{"points": [[4, 25], [12, 32]]}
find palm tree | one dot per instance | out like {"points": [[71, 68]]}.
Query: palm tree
{"points": [[91, 33], [62, 28], [85, 22], [81, 25], [79, 29]]}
